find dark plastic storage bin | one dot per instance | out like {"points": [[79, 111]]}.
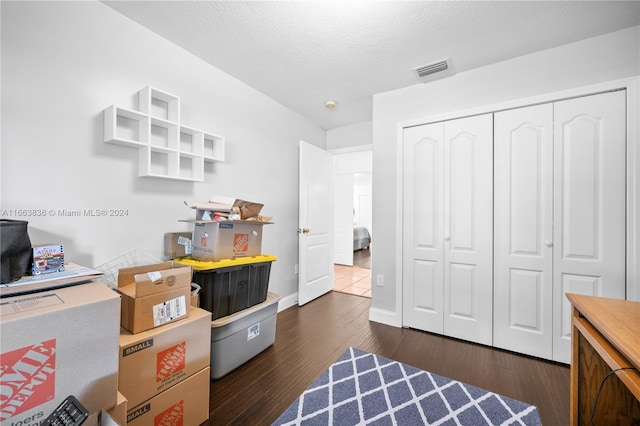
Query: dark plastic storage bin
{"points": [[227, 290], [16, 254]]}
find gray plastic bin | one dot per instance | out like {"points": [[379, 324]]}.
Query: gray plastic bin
{"points": [[237, 338]]}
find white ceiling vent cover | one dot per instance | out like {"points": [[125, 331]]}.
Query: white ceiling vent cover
{"points": [[433, 68]]}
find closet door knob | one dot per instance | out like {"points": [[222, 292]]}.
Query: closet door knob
{"points": [[447, 238], [548, 243]]}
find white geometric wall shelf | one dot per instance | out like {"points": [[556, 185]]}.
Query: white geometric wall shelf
{"points": [[166, 149]]}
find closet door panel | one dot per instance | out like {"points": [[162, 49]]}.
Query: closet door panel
{"points": [[460, 181], [468, 237], [427, 280], [590, 210], [526, 312], [582, 181], [423, 227], [523, 152]]}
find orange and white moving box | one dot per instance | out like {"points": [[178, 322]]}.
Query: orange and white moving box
{"points": [[186, 403], [58, 343], [154, 360], [154, 295]]}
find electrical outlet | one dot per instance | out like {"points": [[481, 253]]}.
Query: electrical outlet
{"points": [[295, 269], [380, 280]]}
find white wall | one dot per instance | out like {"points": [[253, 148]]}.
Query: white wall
{"points": [[352, 162], [63, 63], [609, 57], [350, 136]]}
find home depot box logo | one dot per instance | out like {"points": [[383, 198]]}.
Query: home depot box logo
{"points": [[170, 361], [172, 416], [240, 242], [27, 378]]}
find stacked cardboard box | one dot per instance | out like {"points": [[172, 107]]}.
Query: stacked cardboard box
{"points": [[58, 343], [119, 412], [154, 295], [227, 231], [163, 364]]}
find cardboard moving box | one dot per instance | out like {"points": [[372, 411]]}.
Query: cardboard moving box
{"points": [[153, 295], [177, 244], [213, 241], [58, 343], [186, 403], [155, 360], [119, 412]]}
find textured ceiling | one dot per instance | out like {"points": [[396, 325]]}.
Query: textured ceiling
{"points": [[302, 53]]}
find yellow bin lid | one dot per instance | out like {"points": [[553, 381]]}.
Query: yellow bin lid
{"points": [[199, 265]]}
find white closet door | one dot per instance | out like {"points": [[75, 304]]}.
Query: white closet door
{"points": [[523, 153], [589, 205], [468, 230], [423, 227]]}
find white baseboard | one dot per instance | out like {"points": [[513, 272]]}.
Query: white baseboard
{"points": [[288, 301], [385, 317]]}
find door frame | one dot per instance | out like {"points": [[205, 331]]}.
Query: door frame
{"points": [[632, 86]]}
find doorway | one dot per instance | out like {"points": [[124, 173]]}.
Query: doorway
{"points": [[353, 233], [354, 279]]}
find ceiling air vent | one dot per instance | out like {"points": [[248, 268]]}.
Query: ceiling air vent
{"points": [[432, 68]]}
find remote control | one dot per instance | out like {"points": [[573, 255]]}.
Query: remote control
{"points": [[69, 413]]}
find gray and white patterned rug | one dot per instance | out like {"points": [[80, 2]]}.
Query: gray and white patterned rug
{"points": [[366, 389]]}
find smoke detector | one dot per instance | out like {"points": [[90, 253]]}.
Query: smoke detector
{"points": [[439, 68]]}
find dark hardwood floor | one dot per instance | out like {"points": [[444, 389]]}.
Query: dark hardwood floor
{"points": [[311, 337]]}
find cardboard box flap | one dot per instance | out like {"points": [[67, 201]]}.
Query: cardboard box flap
{"points": [[126, 276], [153, 282], [211, 205], [248, 209]]}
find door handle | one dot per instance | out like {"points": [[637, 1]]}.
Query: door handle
{"points": [[303, 230], [447, 237], [548, 243]]}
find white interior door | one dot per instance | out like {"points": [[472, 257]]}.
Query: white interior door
{"points": [[523, 262], [447, 228], [589, 205], [468, 228], [422, 264], [315, 228], [343, 219]]}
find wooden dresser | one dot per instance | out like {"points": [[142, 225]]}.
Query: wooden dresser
{"points": [[605, 336]]}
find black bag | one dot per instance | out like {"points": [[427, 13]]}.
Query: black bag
{"points": [[16, 254]]}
